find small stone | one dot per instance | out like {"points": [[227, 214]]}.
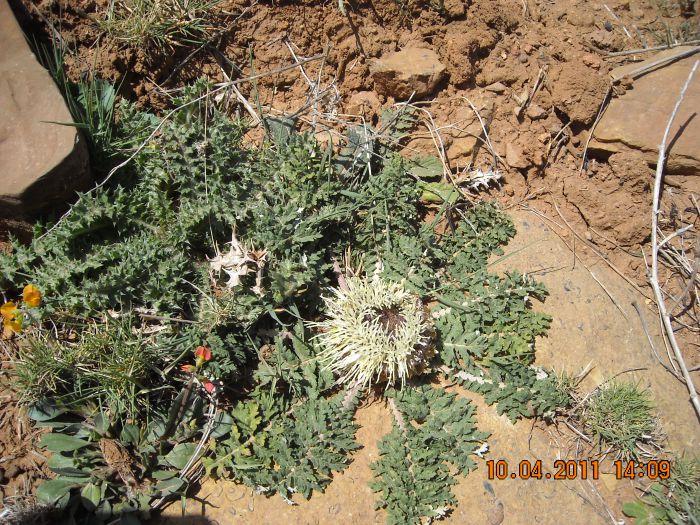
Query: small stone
{"points": [[461, 148], [608, 25], [535, 112], [455, 8], [515, 157], [363, 103], [522, 58], [496, 87], [591, 60], [411, 71]]}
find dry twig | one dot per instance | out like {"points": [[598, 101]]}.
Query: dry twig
{"points": [[654, 276], [648, 49]]}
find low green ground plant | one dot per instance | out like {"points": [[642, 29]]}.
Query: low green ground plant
{"points": [[674, 501], [186, 312]]}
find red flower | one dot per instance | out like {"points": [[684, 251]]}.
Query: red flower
{"points": [[202, 353], [187, 368], [209, 386]]}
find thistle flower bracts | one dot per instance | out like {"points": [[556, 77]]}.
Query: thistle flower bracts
{"points": [[376, 331]]}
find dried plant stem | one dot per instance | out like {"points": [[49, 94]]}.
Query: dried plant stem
{"points": [[674, 373], [661, 62], [603, 106], [648, 49], [597, 252], [654, 277], [487, 139]]}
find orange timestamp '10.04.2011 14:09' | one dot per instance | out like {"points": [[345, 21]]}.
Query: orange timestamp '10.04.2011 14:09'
{"points": [[578, 469]]}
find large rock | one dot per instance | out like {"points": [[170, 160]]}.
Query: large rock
{"points": [[637, 119], [42, 163], [414, 71]]}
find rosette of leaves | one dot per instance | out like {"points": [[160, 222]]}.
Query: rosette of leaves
{"points": [[105, 471]]}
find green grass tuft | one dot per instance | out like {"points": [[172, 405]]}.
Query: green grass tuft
{"points": [[619, 416], [159, 24]]}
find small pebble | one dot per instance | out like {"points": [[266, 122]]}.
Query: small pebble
{"points": [[496, 87], [522, 58], [591, 60], [536, 112], [608, 25]]}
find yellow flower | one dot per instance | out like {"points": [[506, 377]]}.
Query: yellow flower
{"points": [[11, 316], [13, 324], [31, 296], [8, 310]]}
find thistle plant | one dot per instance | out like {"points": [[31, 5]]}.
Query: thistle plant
{"points": [[376, 331]]}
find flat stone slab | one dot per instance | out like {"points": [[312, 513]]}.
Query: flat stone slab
{"points": [[637, 119], [41, 163]]}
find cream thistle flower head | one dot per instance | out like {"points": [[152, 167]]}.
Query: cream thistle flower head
{"points": [[375, 331]]}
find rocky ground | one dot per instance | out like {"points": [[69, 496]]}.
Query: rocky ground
{"points": [[535, 74]]}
